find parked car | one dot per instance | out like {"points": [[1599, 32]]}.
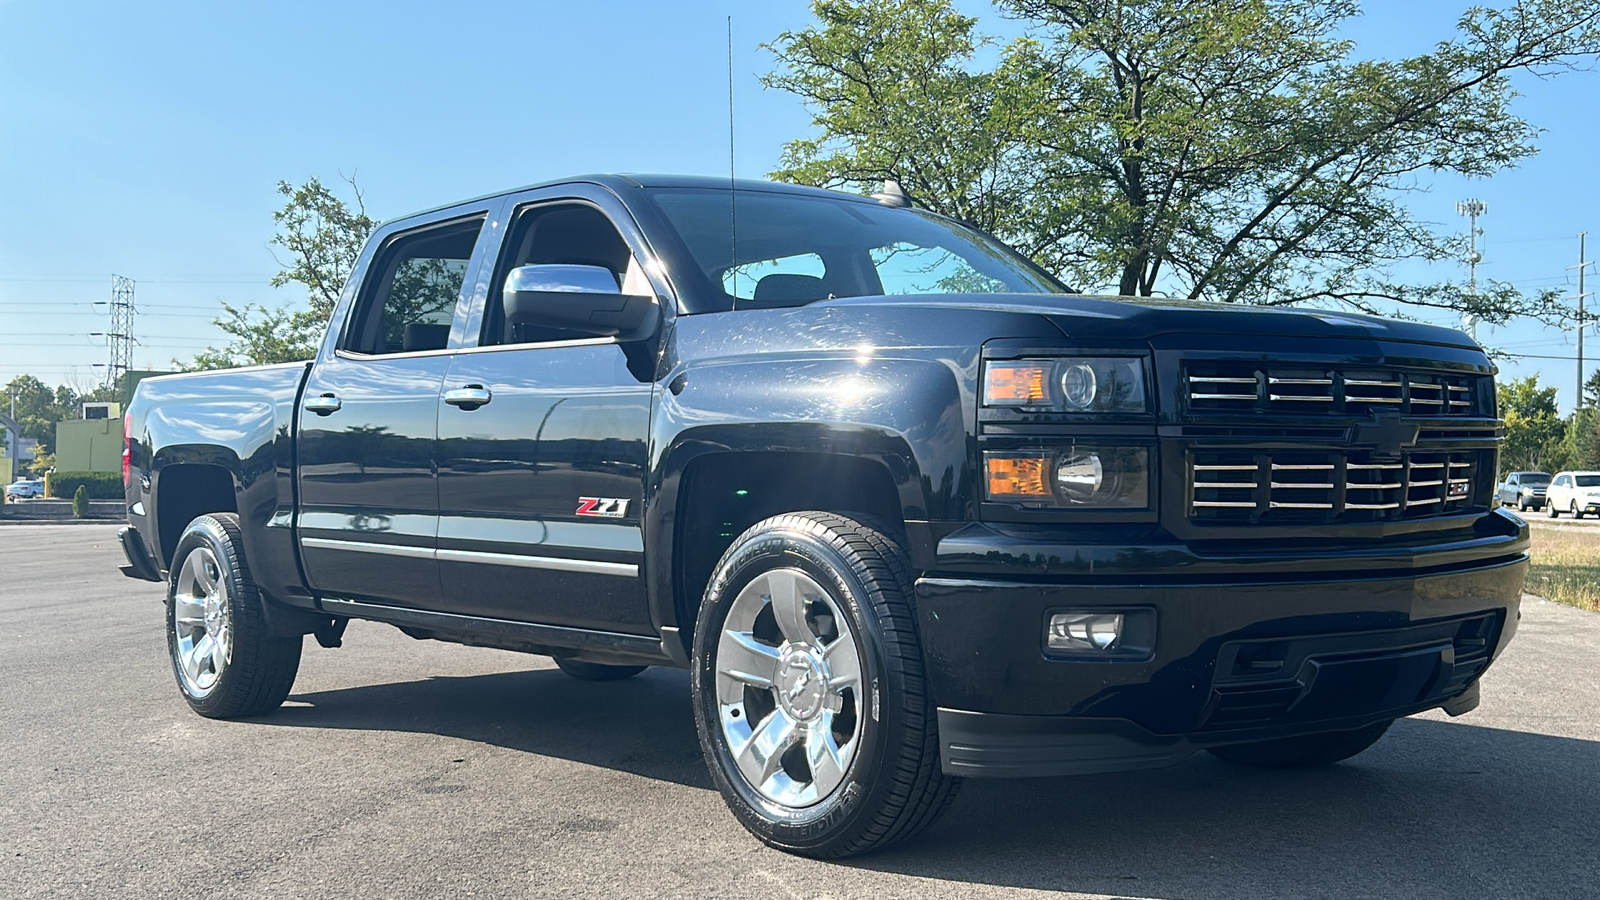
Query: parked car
{"points": [[1524, 490], [907, 509], [1574, 492], [23, 489]]}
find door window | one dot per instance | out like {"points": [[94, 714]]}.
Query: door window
{"points": [[566, 234], [410, 296]]}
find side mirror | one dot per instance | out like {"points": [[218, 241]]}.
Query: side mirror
{"points": [[579, 298]]}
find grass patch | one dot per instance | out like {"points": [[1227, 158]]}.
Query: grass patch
{"points": [[1566, 566]]}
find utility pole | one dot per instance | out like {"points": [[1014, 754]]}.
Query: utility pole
{"points": [[1583, 263], [120, 337], [1472, 209], [13, 438]]}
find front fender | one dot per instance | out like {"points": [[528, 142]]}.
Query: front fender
{"points": [[909, 416]]}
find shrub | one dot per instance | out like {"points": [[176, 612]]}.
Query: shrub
{"points": [[100, 485], [80, 502]]}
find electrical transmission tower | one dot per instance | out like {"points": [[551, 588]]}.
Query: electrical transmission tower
{"points": [[1472, 209], [120, 337]]}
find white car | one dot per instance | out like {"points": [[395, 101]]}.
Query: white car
{"points": [[24, 488], [1573, 492]]}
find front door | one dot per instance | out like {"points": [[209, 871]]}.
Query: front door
{"points": [[369, 496], [542, 487]]}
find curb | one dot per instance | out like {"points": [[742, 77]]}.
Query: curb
{"points": [[64, 520]]}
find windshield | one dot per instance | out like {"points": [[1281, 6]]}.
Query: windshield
{"points": [[1587, 480], [1536, 479], [793, 249]]}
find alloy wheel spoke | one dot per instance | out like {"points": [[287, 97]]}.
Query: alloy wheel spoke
{"points": [[188, 610], [844, 665], [200, 571], [789, 607], [199, 655], [761, 755], [222, 652], [823, 756], [741, 657]]}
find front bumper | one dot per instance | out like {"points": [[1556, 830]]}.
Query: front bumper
{"points": [[1232, 663]]}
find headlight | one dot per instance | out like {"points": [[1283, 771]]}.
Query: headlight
{"points": [[1081, 476], [1099, 385]]}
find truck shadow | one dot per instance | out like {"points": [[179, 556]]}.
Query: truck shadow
{"points": [[643, 725], [1436, 809]]}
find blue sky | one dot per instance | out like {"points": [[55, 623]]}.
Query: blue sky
{"points": [[146, 139]]}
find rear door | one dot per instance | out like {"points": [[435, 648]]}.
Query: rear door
{"points": [[369, 495], [542, 487]]}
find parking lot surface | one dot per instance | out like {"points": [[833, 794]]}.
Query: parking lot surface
{"points": [[416, 769]]}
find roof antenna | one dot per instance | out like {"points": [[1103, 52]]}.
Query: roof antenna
{"points": [[893, 195], [733, 212]]}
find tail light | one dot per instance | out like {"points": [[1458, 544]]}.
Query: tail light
{"points": [[127, 448]]}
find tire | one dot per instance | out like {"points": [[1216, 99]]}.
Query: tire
{"points": [[225, 662], [588, 671], [1550, 510], [1307, 750], [807, 631], [1576, 512]]}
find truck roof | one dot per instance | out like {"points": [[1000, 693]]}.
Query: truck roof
{"points": [[622, 182]]}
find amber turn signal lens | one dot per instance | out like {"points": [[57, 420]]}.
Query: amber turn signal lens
{"points": [[1016, 384], [1018, 476]]}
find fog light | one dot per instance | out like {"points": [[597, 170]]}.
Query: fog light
{"points": [[1084, 631]]}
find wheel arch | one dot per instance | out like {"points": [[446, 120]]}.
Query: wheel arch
{"points": [[722, 493], [182, 490]]}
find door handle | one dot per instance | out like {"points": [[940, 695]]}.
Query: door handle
{"points": [[470, 397], [325, 405]]}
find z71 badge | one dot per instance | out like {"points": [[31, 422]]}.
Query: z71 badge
{"points": [[608, 507]]}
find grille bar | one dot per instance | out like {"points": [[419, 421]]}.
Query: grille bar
{"points": [[1332, 485], [1241, 387]]}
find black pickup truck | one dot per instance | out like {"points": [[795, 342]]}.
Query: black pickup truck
{"points": [[906, 508]]}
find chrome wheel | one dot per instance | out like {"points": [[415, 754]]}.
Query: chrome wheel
{"points": [[789, 688], [201, 623]]}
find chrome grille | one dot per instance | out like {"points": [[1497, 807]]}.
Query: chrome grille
{"points": [[1241, 387], [1330, 485]]}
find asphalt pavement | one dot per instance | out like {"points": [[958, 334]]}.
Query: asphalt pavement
{"points": [[402, 768]]}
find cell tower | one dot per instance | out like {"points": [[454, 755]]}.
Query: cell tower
{"points": [[120, 337], [1472, 209]]}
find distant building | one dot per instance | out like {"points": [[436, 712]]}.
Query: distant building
{"points": [[12, 469], [91, 444]]}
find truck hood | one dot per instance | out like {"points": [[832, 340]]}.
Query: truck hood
{"points": [[1083, 317]]}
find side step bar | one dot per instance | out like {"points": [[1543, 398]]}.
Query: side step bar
{"points": [[506, 634]]}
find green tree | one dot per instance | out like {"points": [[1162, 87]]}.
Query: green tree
{"points": [[39, 407], [322, 236], [1534, 429], [80, 502], [1579, 447], [1216, 150]]}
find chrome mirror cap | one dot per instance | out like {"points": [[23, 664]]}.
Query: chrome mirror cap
{"points": [[562, 278]]}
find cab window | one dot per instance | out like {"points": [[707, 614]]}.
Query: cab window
{"points": [[782, 278], [410, 296]]}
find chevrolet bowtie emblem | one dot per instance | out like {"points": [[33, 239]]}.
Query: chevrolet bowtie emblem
{"points": [[1387, 433]]}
